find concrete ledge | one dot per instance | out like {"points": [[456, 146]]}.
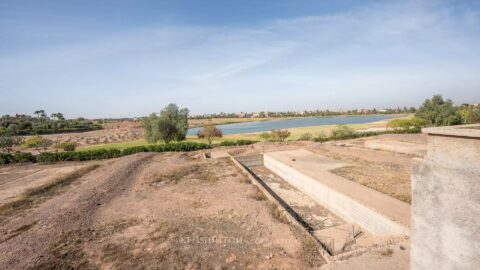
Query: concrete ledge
{"points": [[471, 131], [399, 147], [377, 213], [252, 160]]}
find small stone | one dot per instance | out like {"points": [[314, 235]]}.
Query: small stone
{"points": [[231, 258]]}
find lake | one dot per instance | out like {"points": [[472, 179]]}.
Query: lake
{"points": [[261, 126]]}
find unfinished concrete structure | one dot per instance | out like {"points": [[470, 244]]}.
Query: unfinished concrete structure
{"points": [[378, 213], [345, 217], [446, 201]]}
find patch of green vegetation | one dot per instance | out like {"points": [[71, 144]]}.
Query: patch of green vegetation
{"points": [[345, 133], [44, 124]]}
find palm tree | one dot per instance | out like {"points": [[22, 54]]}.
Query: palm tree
{"points": [[39, 113]]}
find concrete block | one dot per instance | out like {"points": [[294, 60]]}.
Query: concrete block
{"points": [[446, 201]]}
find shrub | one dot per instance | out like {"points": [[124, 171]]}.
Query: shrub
{"points": [[134, 150], [321, 138], [265, 136], [6, 158], [209, 132], [354, 135], [305, 137], [37, 142], [49, 157], [280, 135], [237, 142], [7, 142], [343, 132], [20, 157], [66, 146], [411, 123]]}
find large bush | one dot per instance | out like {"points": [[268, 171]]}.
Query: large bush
{"points": [[342, 132], [6, 158], [410, 123], [18, 157], [171, 124], [66, 146], [37, 142], [439, 112]]}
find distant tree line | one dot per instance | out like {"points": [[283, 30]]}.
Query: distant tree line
{"points": [[312, 113], [41, 123]]}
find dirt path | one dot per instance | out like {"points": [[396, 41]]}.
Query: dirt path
{"points": [[29, 239], [155, 211]]}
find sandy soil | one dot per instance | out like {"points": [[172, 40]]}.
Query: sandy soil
{"points": [[151, 211]]}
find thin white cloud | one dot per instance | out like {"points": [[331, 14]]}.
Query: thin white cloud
{"points": [[414, 46]]}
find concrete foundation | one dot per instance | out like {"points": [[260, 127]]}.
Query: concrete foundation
{"points": [[309, 172], [396, 146], [251, 160], [446, 201]]}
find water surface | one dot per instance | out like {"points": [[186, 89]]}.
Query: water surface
{"points": [[261, 126]]}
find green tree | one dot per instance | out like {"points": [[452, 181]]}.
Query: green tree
{"points": [[439, 112], [171, 124], [57, 116], [474, 116], [150, 126]]}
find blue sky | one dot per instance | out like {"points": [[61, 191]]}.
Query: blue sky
{"points": [[119, 58]]}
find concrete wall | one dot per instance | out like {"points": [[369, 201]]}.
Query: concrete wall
{"points": [[396, 146], [446, 202], [338, 203], [251, 160]]}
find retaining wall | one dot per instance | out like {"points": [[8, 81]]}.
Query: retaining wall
{"points": [[342, 205], [251, 160]]}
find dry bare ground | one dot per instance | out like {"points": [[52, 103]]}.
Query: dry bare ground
{"points": [[384, 171], [151, 211], [112, 133]]}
